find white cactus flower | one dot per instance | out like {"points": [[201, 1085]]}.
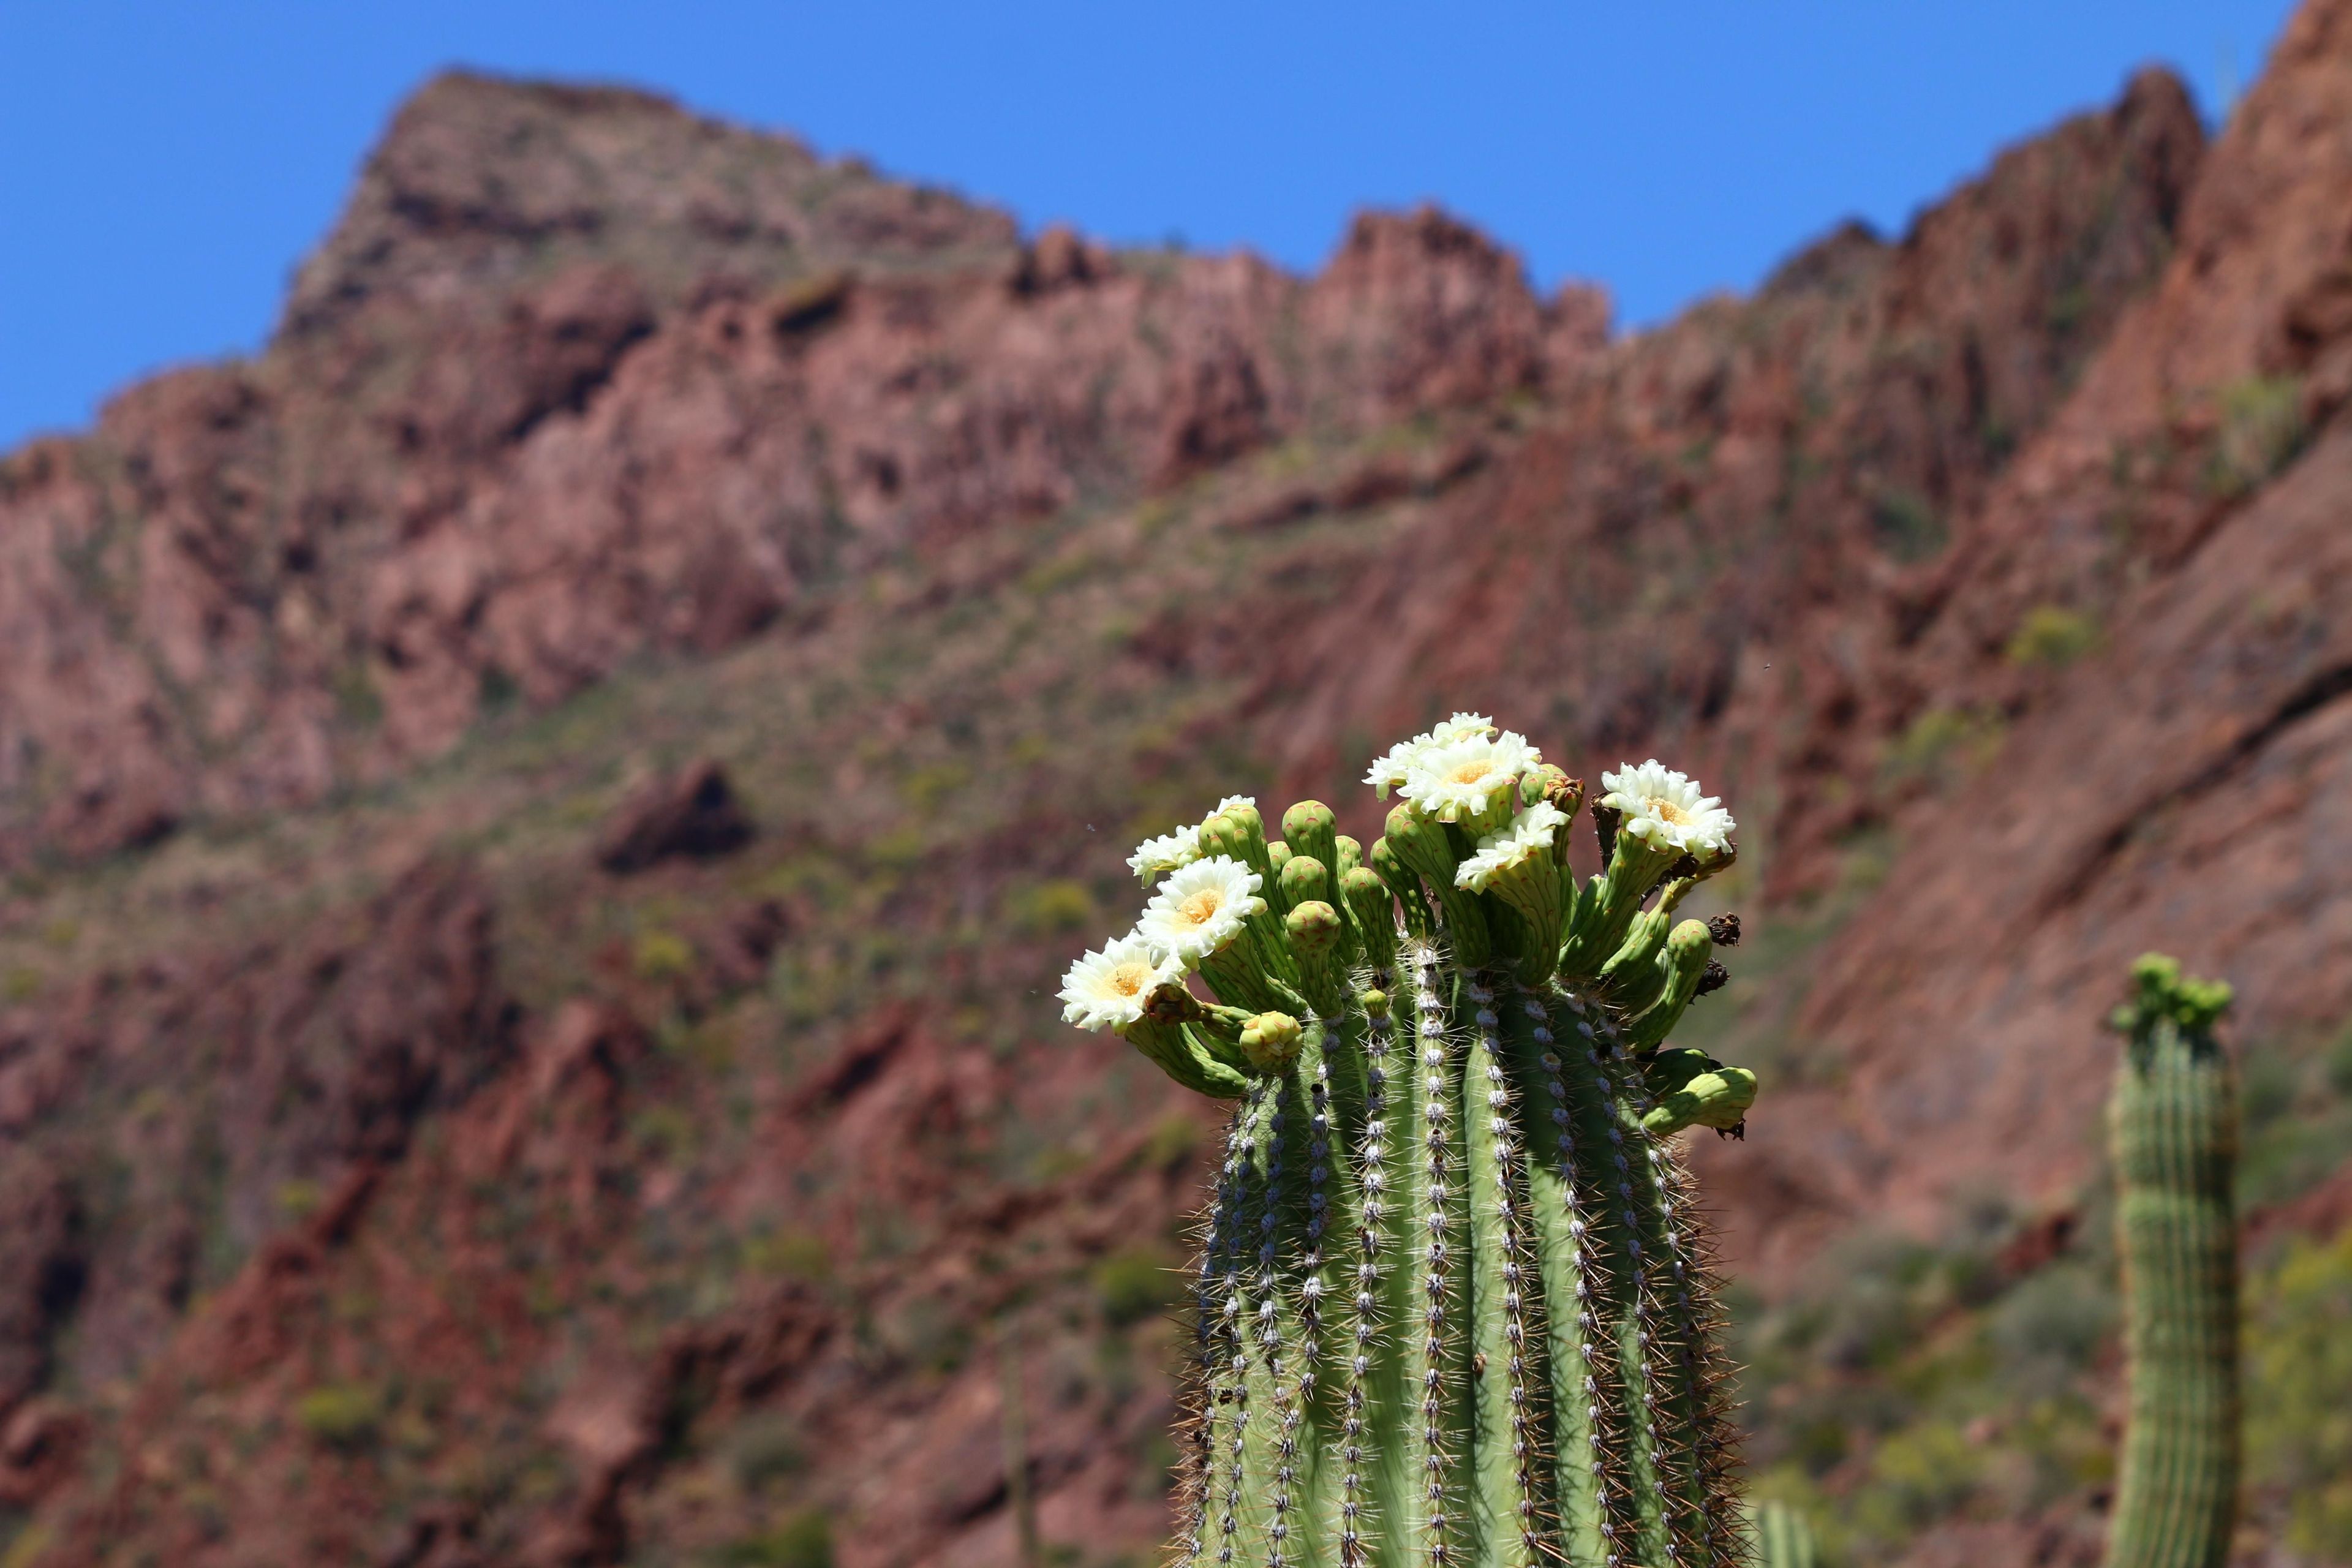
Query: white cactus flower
{"points": [[1665, 810], [1526, 837], [1201, 907], [1458, 779], [1155, 858], [1108, 990], [1390, 771]]}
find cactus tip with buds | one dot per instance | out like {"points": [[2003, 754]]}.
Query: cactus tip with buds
{"points": [[2173, 1134], [1454, 1304]]}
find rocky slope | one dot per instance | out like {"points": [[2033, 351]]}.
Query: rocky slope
{"points": [[540, 809]]}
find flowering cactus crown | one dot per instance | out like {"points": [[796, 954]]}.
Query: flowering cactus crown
{"points": [[1525, 1371]]}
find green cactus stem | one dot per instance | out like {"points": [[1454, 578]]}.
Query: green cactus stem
{"points": [[1784, 1538], [2172, 1128], [1455, 1303]]}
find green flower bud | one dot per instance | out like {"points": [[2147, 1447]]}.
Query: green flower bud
{"points": [[1245, 818], [1271, 1041], [1350, 854], [1277, 854], [1537, 783], [1171, 1003], [2160, 993], [1670, 1069], [1303, 877], [1375, 1002], [1314, 926], [1320, 944], [1310, 826], [1719, 1099], [1221, 835], [1421, 845]]}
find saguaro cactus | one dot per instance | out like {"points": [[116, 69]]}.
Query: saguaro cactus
{"points": [[2172, 1128], [1784, 1538], [1455, 1303]]}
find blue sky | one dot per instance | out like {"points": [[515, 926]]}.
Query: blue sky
{"points": [[163, 165]]}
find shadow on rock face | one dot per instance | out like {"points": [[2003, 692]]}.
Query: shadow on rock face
{"points": [[691, 813]]}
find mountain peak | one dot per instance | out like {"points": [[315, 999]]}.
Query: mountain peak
{"points": [[482, 183]]}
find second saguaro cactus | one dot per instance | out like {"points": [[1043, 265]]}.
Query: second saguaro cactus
{"points": [[2172, 1127], [1784, 1538], [1455, 1304]]}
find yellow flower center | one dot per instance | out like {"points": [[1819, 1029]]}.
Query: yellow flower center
{"points": [[1471, 772], [1129, 978], [1665, 810], [1201, 907]]}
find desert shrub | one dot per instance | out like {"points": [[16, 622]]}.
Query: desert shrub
{"points": [[791, 1253], [2262, 429], [661, 955], [1906, 525], [1133, 1285], [1062, 904], [1919, 1475], [2053, 1323], [2052, 636], [2299, 1394], [765, 1451], [803, 1540], [344, 1415], [1173, 1139], [1944, 744]]}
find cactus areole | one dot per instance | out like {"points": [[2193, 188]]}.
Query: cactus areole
{"points": [[2172, 1127], [1454, 1305]]}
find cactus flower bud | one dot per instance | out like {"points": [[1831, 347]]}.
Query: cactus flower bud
{"points": [[1172, 1004], [1222, 835], [1718, 1100], [1312, 829], [1271, 1041], [1350, 854], [1242, 812], [1315, 928], [1420, 843], [1668, 1070], [1303, 877]]}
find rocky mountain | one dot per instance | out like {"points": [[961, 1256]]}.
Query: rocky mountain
{"points": [[543, 811]]}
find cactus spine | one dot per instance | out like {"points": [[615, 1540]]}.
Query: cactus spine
{"points": [[1454, 1304], [2173, 1135]]}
